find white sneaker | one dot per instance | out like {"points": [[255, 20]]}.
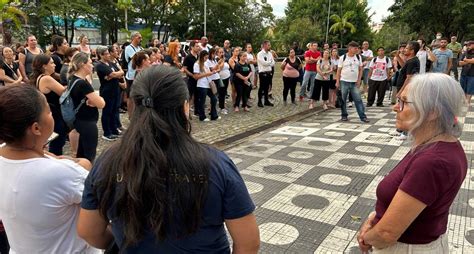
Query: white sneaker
{"points": [[224, 111], [402, 137], [206, 120]]}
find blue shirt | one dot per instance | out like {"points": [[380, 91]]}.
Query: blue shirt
{"points": [[227, 198], [442, 58]]}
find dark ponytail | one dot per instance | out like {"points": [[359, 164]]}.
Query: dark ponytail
{"points": [[157, 173]]}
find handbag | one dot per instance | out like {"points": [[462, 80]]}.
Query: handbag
{"points": [[213, 87], [339, 100]]}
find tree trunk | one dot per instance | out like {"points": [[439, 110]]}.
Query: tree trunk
{"points": [[126, 19], [72, 31], [66, 26]]}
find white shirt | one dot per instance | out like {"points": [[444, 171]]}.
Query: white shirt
{"points": [[350, 68], [204, 81], [422, 56], [39, 204], [225, 71], [379, 68], [367, 53], [210, 64], [249, 57], [265, 61], [130, 51]]}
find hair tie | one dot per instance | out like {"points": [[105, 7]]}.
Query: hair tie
{"points": [[455, 120], [147, 102]]}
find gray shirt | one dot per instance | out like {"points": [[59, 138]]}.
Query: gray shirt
{"points": [[442, 59]]}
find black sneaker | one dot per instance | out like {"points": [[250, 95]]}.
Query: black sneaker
{"points": [[344, 119], [268, 104], [260, 105], [369, 105], [380, 105], [365, 120]]}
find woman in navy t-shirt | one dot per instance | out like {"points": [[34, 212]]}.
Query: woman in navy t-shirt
{"points": [[160, 191], [413, 200]]}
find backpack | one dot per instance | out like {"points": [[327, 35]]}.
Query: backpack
{"points": [[375, 58], [358, 57], [67, 106], [123, 61]]}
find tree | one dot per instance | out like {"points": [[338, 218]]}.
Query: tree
{"points": [[10, 16], [426, 18], [125, 5], [342, 25]]}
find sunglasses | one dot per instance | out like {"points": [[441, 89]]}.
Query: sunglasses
{"points": [[401, 103]]}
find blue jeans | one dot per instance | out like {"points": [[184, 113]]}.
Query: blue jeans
{"points": [[201, 96], [350, 87], [365, 76], [308, 76]]}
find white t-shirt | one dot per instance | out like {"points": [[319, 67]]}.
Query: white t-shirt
{"points": [[39, 204], [210, 64], [367, 53], [350, 68], [225, 71], [202, 82], [379, 68], [422, 56], [249, 57]]}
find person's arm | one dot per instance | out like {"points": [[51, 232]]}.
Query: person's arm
{"points": [[48, 83], [203, 75], [450, 64], [431, 56], [338, 76], [245, 234], [21, 61], [318, 70], [359, 76], [94, 229], [283, 64], [95, 100], [401, 213], [6, 78], [261, 60], [400, 61]]}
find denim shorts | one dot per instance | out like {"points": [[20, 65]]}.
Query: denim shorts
{"points": [[467, 84]]}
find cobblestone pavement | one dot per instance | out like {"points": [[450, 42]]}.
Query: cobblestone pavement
{"points": [[313, 181], [235, 123]]}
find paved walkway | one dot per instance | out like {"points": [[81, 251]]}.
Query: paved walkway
{"points": [[313, 181]]}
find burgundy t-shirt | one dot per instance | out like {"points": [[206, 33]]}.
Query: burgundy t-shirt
{"points": [[315, 55], [432, 175]]}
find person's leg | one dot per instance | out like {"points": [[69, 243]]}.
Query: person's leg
{"points": [[118, 102], [394, 95], [261, 88], [365, 81], [382, 89], [454, 68], [286, 87], [311, 82], [316, 90], [245, 95], [107, 117], [213, 99], [89, 135], [358, 102], [470, 89], [56, 145], [268, 81], [293, 82], [239, 90], [201, 96], [344, 86], [371, 93], [306, 78], [222, 93]]}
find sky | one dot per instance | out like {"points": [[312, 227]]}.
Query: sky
{"points": [[379, 7]]}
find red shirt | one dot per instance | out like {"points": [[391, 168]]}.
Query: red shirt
{"points": [[432, 175], [315, 55]]}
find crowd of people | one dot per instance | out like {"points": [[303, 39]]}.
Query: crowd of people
{"points": [[157, 189]]}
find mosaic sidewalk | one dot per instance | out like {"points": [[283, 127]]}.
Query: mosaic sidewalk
{"points": [[313, 181]]}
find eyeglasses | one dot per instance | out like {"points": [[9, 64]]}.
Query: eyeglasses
{"points": [[401, 103]]}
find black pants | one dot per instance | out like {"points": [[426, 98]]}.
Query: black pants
{"points": [[242, 93], [318, 86], [110, 111], [129, 87], [88, 135], [4, 246], [265, 81], [222, 92], [379, 88], [289, 85], [201, 94], [56, 145], [118, 104]]}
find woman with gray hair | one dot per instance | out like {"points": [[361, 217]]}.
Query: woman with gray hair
{"points": [[413, 200]]}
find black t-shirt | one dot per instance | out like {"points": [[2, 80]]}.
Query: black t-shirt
{"points": [[189, 62], [79, 92], [243, 69], [411, 67], [10, 70], [58, 61], [296, 64], [103, 70], [468, 69]]}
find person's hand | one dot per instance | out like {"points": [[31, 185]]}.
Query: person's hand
{"points": [[358, 83], [337, 84], [364, 247]]}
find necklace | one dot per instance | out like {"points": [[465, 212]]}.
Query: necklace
{"points": [[430, 139]]}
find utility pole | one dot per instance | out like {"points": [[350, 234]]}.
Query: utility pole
{"points": [[205, 17], [327, 26]]}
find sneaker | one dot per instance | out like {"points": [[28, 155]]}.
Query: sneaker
{"points": [[344, 119], [205, 120], [218, 118], [294, 103], [402, 137], [380, 105], [369, 105], [224, 111], [268, 104], [365, 120], [394, 133], [109, 138], [260, 105]]}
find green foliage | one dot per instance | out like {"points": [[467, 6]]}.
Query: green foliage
{"points": [[349, 21], [450, 17], [15, 16], [392, 35]]}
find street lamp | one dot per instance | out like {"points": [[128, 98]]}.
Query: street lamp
{"points": [[205, 17], [327, 26]]}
